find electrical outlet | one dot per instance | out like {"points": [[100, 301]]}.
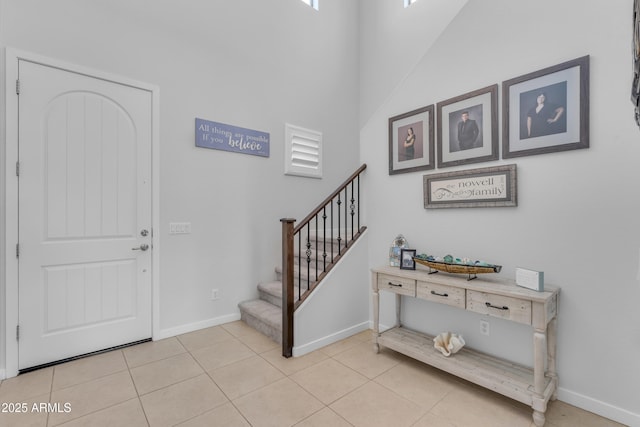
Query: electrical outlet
{"points": [[484, 327], [215, 294]]}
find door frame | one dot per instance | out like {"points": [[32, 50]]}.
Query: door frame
{"points": [[9, 214]]}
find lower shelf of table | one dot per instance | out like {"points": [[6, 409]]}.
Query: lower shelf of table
{"points": [[509, 379]]}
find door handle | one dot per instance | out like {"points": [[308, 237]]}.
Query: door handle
{"points": [[143, 247]]}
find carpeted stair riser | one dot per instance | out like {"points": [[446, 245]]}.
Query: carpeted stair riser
{"points": [[265, 314], [272, 292], [263, 317]]}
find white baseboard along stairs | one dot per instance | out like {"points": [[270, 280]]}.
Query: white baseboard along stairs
{"points": [[265, 313]]}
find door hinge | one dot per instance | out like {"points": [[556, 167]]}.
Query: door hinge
{"points": [[17, 332], [17, 168], [17, 250], [17, 87]]}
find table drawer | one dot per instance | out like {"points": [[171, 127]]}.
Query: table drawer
{"points": [[399, 285], [514, 309], [442, 294]]}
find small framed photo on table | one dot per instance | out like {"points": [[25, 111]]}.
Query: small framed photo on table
{"points": [[406, 259]]}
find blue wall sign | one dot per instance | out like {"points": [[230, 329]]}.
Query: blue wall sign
{"points": [[219, 136]]}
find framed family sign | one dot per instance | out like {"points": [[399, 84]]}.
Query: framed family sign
{"points": [[546, 111], [473, 188], [411, 146], [468, 128]]}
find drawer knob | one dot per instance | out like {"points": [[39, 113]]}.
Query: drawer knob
{"points": [[504, 307], [396, 285], [440, 295]]}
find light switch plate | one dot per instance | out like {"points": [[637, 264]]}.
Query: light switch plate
{"points": [[180, 228]]}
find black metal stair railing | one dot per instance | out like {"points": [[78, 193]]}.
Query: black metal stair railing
{"points": [[312, 248]]}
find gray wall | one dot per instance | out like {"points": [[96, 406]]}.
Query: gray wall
{"points": [[577, 211], [260, 64], [393, 40], [252, 64]]}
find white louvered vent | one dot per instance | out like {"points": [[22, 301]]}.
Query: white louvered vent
{"points": [[303, 154]]}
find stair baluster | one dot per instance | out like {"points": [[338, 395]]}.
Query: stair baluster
{"points": [[289, 248]]}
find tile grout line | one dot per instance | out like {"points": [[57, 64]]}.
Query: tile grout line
{"points": [[135, 387], [53, 376], [57, 372], [216, 384]]}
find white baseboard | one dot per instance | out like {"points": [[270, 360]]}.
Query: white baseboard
{"points": [[381, 327], [183, 329], [598, 407], [329, 339]]}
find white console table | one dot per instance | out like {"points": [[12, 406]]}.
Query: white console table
{"points": [[486, 295]]}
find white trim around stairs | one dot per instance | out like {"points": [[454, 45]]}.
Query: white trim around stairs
{"points": [[329, 339], [183, 329]]}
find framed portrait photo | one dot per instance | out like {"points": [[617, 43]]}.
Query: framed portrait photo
{"points": [[546, 111], [406, 259], [468, 128], [411, 146]]}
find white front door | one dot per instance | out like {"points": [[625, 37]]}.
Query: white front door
{"points": [[85, 202]]}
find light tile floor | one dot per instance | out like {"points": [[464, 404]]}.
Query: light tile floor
{"points": [[231, 375]]}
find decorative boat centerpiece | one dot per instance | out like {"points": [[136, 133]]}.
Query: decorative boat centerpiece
{"points": [[449, 264]]}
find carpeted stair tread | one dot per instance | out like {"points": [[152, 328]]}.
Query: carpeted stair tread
{"points": [[266, 312]]}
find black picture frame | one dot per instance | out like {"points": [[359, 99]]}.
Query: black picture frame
{"points": [[635, 54], [421, 156], [560, 124], [477, 139], [406, 259]]}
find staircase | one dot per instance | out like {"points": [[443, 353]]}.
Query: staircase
{"points": [[309, 251], [265, 313]]}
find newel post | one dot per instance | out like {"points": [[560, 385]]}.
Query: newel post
{"points": [[287, 286]]}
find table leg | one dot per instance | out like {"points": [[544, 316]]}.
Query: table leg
{"points": [[551, 356], [539, 357], [538, 418], [376, 319]]}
